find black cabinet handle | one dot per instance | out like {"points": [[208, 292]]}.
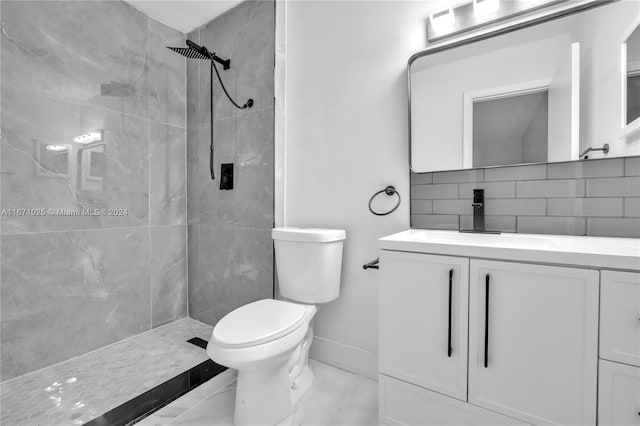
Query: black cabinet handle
{"points": [[486, 322], [449, 348]]}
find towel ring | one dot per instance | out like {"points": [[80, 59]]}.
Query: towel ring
{"points": [[389, 190]]}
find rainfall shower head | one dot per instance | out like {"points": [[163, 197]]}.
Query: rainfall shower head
{"points": [[195, 51]]}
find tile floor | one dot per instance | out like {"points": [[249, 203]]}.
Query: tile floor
{"points": [[336, 398], [82, 388]]}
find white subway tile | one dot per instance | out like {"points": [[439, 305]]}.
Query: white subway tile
{"points": [[551, 225], [421, 206], [610, 227], [516, 207], [587, 168], [435, 221], [632, 207], [491, 189], [532, 172], [459, 176], [614, 187], [596, 207], [431, 192], [550, 188]]}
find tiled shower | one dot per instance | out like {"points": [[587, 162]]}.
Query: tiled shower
{"points": [[110, 239]]}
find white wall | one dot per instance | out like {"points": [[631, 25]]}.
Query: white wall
{"points": [[346, 138]]}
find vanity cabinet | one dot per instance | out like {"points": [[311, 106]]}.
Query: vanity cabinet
{"points": [[620, 317], [619, 366], [534, 361], [533, 341], [424, 320], [619, 394]]}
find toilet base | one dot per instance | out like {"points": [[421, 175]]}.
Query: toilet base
{"points": [[262, 396], [267, 398]]}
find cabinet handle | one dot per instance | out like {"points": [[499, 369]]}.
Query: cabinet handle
{"points": [[486, 322], [449, 348]]}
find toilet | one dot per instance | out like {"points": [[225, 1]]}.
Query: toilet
{"points": [[268, 341]]}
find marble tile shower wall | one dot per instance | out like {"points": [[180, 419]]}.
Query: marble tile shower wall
{"points": [[229, 232], [71, 283], [592, 197]]}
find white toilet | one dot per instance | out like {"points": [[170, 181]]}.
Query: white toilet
{"points": [[268, 341]]}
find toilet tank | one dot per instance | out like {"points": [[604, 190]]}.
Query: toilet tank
{"points": [[308, 263]]}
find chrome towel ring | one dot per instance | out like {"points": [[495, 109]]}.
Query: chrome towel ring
{"points": [[389, 190]]}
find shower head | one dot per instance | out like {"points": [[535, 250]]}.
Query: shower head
{"points": [[195, 51]]}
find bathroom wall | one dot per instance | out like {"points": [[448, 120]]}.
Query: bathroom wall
{"points": [[72, 282], [346, 138], [592, 197], [230, 247]]}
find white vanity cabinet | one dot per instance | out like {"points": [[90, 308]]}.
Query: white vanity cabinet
{"points": [[620, 317], [423, 320], [532, 354], [619, 367], [536, 357]]}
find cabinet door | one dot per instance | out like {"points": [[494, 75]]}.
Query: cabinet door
{"points": [[539, 362], [619, 395], [418, 313], [620, 317]]}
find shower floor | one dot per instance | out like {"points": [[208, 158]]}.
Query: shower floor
{"points": [[78, 390]]}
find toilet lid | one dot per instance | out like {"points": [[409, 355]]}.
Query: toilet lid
{"points": [[258, 322]]}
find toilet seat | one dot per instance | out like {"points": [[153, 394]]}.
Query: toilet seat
{"points": [[258, 323]]}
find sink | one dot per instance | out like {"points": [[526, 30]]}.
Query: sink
{"points": [[477, 239], [610, 252]]}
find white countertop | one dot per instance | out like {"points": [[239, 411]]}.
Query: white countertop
{"points": [[596, 252]]}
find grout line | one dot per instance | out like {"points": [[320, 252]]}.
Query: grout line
{"points": [[149, 187], [186, 187]]}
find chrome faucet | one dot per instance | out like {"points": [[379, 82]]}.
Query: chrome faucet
{"points": [[478, 210]]}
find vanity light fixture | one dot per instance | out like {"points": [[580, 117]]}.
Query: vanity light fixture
{"points": [[479, 13], [485, 7], [89, 137], [442, 19], [56, 148]]}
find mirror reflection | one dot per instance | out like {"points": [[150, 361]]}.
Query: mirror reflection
{"points": [[92, 167], [53, 159], [82, 163], [545, 93], [633, 76]]}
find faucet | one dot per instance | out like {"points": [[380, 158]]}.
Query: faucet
{"points": [[605, 149], [478, 214], [478, 210]]}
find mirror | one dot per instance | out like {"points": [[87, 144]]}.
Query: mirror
{"points": [[631, 81], [541, 93], [92, 168], [52, 159]]}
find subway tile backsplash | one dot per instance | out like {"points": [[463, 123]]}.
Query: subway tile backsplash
{"points": [[598, 197]]}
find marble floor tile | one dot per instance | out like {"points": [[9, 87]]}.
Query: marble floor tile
{"points": [[80, 389], [337, 397]]}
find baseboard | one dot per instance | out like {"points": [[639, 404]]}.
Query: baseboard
{"points": [[346, 357]]}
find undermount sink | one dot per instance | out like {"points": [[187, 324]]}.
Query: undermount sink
{"points": [[481, 239]]}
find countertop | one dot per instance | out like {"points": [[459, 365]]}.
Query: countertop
{"points": [[584, 251]]}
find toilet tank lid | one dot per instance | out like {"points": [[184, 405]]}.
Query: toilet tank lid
{"points": [[310, 235]]}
